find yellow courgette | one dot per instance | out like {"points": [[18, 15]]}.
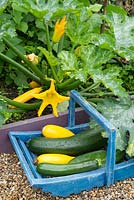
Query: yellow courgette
{"points": [[54, 158], [54, 131], [27, 95]]}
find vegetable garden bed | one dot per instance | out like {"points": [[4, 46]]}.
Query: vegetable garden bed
{"points": [[36, 123]]}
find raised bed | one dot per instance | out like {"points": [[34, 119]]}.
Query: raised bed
{"points": [[35, 124], [66, 185]]}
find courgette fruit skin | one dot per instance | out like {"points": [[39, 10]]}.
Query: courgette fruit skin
{"points": [[54, 158], [99, 155], [86, 141], [95, 155], [54, 131], [66, 169]]}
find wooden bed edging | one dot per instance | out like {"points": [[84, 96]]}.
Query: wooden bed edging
{"points": [[37, 123]]}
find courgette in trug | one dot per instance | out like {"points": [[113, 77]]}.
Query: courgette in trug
{"points": [[54, 158], [83, 163], [66, 169], [54, 131], [86, 141], [94, 155], [99, 155]]}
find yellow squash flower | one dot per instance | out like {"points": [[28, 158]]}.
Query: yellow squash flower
{"points": [[59, 29], [51, 97], [33, 58]]}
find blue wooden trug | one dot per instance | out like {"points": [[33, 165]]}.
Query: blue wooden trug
{"points": [[73, 184]]}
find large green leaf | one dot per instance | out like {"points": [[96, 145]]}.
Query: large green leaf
{"points": [[95, 7], [7, 26], [88, 61], [38, 8], [109, 78], [110, 9], [130, 148], [20, 79], [3, 5], [47, 9], [121, 114], [75, 3], [105, 40], [94, 58], [123, 29], [70, 64], [63, 106], [68, 61], [82, 27], [4, 113]]}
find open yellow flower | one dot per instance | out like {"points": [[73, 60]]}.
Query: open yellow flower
{"points": [[51, 97], [59, 29]]}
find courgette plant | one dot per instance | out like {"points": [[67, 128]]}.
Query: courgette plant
{"points": [[95, 45]]}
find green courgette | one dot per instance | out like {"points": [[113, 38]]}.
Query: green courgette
{"points": [[99, 155], [86, 141], [66, 169], [95, 155]]}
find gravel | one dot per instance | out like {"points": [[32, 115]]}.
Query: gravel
{"points": [[14, 185]]}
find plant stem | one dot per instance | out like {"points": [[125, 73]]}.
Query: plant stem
{"points": [[54, 74], [91, 87], [24, 106], [96, 100], [102, 94], [60, 44], [16, 110], [73, 47], [65, 83], [20, 67], [96, 94], [72, 86], [92, 104], [30, 64], [104, 12], [47, 36]]}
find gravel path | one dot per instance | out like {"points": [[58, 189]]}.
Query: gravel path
{"points": [[14, 186]]}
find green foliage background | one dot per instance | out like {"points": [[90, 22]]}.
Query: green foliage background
{"points": [[97, 62]]}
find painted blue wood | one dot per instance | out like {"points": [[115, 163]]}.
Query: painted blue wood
{"points": [[71, 113], [29, 158], [108, 127], [111, 156], [78, 128], [124, 170], [74, 184], [26, 135]]}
